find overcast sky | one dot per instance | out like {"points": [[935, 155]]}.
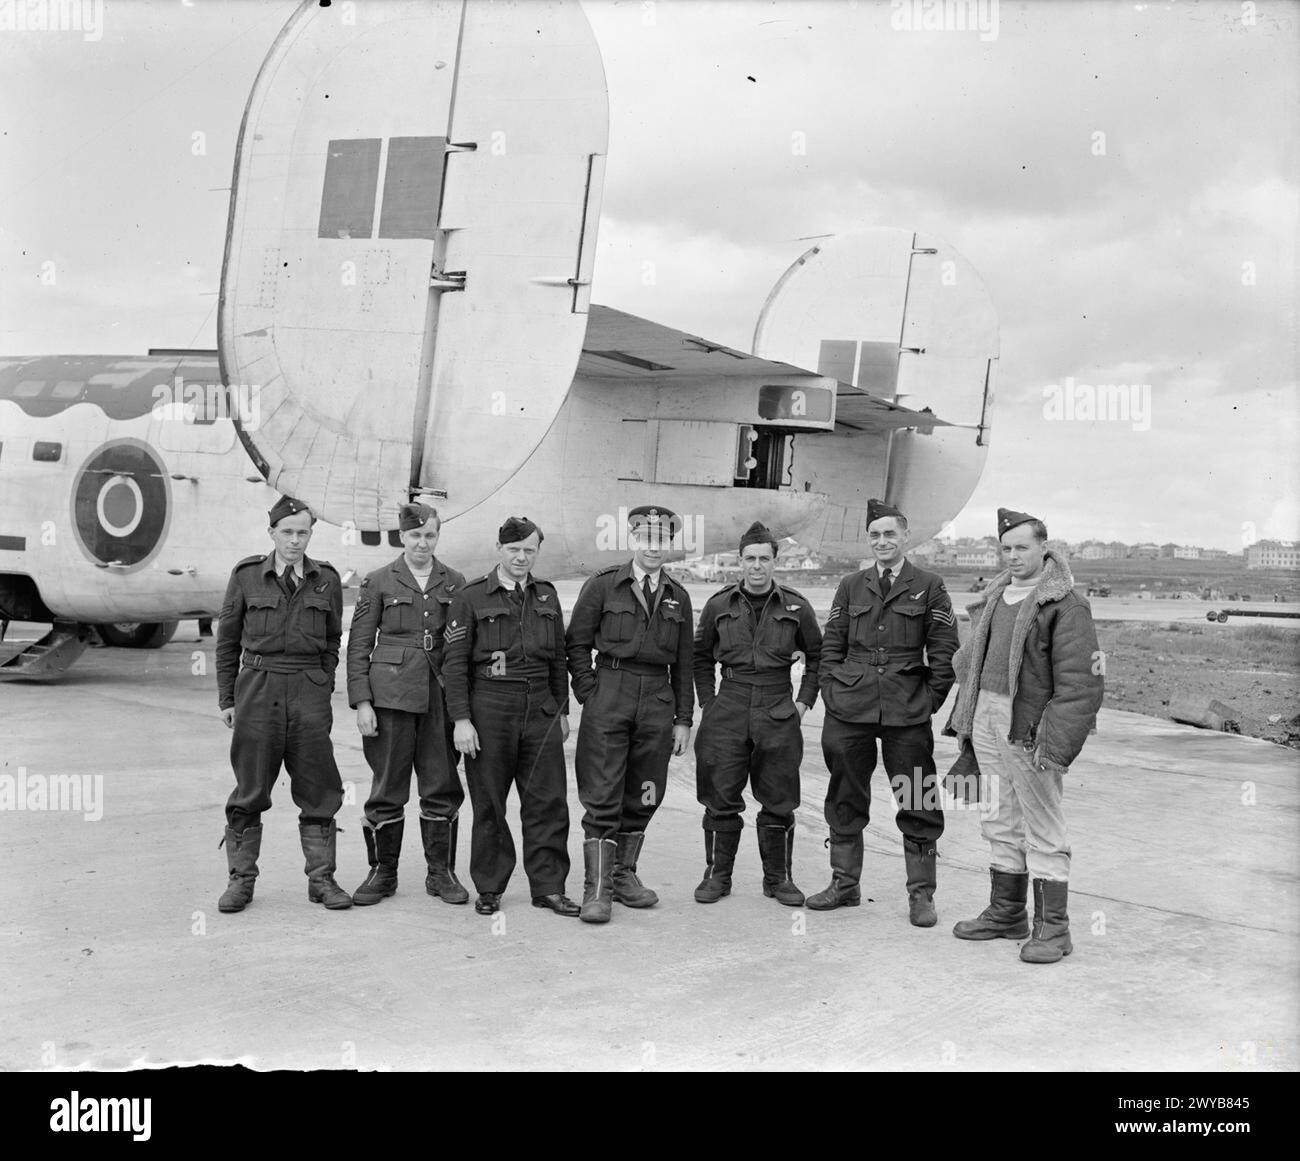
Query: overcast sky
{"points": [[1164, 254]]}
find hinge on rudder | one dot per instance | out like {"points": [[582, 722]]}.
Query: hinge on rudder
{"points": [[447, 279]]}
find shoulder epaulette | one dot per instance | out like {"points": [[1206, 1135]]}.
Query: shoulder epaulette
{"points": [[794, 593], [478, 580], [250, 560], [607, 568], [326, 564]]}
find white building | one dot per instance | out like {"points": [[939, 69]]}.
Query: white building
{"points": [[1273, 554], [983, 557]]}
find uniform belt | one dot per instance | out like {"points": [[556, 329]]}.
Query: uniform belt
{"points": [[883, 653], [429, 641], [281, 662], [640, 668], [486, 671], [767, 679]]}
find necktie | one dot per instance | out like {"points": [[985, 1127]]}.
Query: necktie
{"points": [[885, 583], [649, 594], [289, 582]]}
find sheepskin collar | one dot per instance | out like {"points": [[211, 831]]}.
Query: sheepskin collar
{"points": [[1056, 581]]}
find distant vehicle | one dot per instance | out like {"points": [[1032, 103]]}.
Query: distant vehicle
{"points": [[1099, 590], [1223, 614]]}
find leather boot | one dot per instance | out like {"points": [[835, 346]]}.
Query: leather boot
{"points": [[439, 836], [1051, 935], [846, 870], [776, 849], [921, 859], [720, 848], [598, 857], [319, 843], [383, 846], [1005, 916], [845, 873], [242, 850], [628, 889]]}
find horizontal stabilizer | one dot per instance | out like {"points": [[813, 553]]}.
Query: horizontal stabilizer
{"points": [[626, 348]]}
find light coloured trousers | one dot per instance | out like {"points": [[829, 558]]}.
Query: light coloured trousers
{"points": [[1020, 807]]}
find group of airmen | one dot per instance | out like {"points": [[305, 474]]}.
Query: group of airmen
{"points": [[440, 669]]}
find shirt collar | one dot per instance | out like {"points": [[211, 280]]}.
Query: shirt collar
{"points": [[274, 564], [640, 574], [895, 570], [501, 581]]}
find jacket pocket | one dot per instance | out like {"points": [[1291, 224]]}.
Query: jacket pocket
{"points": [[548, 625], [845, 674], [669, 627], [785, 630], [730, 631], [315, 614], [387, 655], [838, 692], [911, 623], [858, 625], [261, 608], [399, 614], [494, 627], [617, 623]]}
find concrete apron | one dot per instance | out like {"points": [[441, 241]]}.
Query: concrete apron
{"points": [[1183, 913]]}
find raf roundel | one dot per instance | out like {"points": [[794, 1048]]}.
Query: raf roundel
{"points": [[120, 508]]}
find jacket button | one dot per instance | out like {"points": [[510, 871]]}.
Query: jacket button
{"points": [[881, 628], [880, 669]]}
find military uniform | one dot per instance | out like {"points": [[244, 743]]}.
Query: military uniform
{"points": [[878, 688], [503, 668], [886, 667], [289, 647], [750, 728], [395, 663], [637, 690], [287, 638], [395, 649]]}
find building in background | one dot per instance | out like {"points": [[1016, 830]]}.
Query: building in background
{"points": [[1273, 554], [982, 554]]}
